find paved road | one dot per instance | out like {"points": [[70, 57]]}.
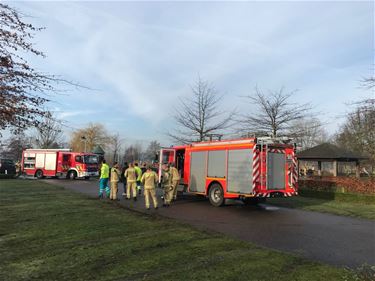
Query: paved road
{"points": [[332, 239]]}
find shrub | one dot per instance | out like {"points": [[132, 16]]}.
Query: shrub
{"points": [[339, 184]]}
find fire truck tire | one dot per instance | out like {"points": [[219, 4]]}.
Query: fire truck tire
{"points": [[216, 195], [87, 178], [72, 175], [39, 174]]}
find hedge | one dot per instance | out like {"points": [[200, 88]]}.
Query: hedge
{"points": [[339, 184]]}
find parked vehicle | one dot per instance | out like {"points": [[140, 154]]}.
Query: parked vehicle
{"points": [[7, 167], [59, 163], [248, 169]]}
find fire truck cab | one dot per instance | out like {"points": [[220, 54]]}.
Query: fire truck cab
{"points": [[59, 163], [249, 169]]}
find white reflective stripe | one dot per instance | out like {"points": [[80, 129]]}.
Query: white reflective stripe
{"points": [[256, 174], [294, 169], [276, 150], [247, 141], [256, 165]]}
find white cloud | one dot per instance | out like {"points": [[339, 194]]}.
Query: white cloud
{"points": [[142, 56]]}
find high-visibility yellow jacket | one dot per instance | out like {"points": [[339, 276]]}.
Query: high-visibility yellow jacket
{"points": [[115, 175], [130, 175], [149, 179], [104, 171], [138, 172]]}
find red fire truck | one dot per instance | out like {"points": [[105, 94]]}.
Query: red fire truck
{"points": [[59, 163], [249, 169]]}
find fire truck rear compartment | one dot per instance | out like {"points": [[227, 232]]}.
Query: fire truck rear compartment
{"points": [[275, 171]]}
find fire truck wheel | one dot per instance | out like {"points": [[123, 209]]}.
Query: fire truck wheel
{"points": [[216, 195], [39, 174], [72, 175]]}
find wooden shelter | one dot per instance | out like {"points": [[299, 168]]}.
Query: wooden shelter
{"points": [[329, 160]]}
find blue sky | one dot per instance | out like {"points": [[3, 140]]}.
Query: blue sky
{"points": [[141, 56]]}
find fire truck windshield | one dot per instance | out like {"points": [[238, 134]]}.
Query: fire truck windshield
{"points": [[90, 159]]}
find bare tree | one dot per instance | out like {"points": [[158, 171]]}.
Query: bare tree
{"points": [[13, 147], [23, 90], [201, 115], [368, 82], [152, 149], [308, 133], [116, 144], [357, 133], [274, 113], [133, 153], [48, 132]]}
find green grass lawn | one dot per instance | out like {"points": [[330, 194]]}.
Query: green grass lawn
{"points": [[48, 233], [339, 204]]}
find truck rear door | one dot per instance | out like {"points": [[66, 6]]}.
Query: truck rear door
{"points": [[276, 169], [167, 155]]}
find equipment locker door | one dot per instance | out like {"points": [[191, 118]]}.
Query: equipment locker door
{"points": [[39, 160], [275, 170], [197, 182], [240, 171], [50, 161]]}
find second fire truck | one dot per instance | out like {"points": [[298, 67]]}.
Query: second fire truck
{"points": [[248, 169], [59, 163]]}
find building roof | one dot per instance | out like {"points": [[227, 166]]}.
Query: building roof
{"points": [[329, 151], [98, 150]]}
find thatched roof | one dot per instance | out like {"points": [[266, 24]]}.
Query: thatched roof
{"points": [[329, 151]]}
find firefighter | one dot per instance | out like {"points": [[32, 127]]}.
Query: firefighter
{"points": [[123, 178], [139, 176], [167, 186], [149, 179], [131, 185], [144, 168], [175, 178], [115, 176], [103, 180]]}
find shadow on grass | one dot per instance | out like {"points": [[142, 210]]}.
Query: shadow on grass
{"points": [[345, 204]]}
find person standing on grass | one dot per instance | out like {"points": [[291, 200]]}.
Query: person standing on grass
{"points": [[131, 185], [149, 180], [123, 178], [115, 177], [175, 179], [139, 176], [103, 180]]}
